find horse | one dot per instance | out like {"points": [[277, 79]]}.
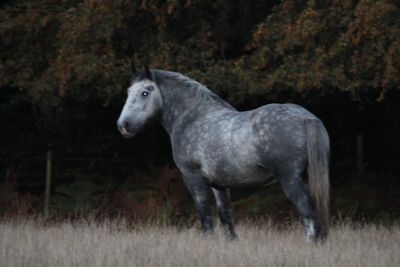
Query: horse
{"points": [[218, 148]]}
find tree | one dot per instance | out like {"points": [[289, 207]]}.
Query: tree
{"points": [[349, 45]]}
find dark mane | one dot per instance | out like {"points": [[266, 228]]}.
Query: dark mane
{"points": [[179, 81]]}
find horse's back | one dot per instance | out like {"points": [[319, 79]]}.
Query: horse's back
{"points": [[283, 113]]}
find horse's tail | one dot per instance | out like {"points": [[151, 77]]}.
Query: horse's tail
{"points": [[318, 171]]}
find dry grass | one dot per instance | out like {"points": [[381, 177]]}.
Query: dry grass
{"points": [[32, 243]]}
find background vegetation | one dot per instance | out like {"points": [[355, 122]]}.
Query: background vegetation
{"points": [[64, 68]]}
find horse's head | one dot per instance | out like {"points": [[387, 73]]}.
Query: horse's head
{"points": [[143, 103]]}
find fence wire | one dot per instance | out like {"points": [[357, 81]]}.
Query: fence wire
{"points": [[39, 170]]}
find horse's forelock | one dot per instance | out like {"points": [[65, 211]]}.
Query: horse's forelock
{"points": [[141, 75]]}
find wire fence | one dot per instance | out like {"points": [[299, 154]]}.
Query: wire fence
{"points": [[84, 159], [44, 174], [38, 164], [31, 171]]}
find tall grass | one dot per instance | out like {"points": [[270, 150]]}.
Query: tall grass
{"points": [[82, 243]]}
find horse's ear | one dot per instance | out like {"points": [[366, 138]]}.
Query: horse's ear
{"points": [[133, 67], [147, 71]]}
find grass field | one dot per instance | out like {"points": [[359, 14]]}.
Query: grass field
{"points": [[33, 243]]}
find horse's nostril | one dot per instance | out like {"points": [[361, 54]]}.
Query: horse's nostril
{"points": [[126, 125]]}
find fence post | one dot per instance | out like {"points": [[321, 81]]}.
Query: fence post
{"points": [[360, 154], [48, 184]]}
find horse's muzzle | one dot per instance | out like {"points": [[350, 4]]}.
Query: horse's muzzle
{"points": [[124, 129], [124, 132]]}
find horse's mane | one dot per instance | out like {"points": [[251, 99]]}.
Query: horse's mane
{"points": [[196, 90]]}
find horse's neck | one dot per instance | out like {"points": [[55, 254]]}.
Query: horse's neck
{"points": [[181, 106]]}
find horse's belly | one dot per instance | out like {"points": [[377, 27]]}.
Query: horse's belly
{"points": [[239, 175]]}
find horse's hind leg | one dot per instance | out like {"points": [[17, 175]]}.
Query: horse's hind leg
{"points": [[295, 190], [223, 199]]}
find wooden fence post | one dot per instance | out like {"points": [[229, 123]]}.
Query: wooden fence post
{"points": [[360, 155], [48, 184]]}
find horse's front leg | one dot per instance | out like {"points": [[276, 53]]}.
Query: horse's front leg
{"points": [[223, 199], [199, 189]]}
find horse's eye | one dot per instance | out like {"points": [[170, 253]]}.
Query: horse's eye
{"points": [[145, 93]]}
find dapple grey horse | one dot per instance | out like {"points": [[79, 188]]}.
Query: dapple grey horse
{"points": [[219, 148]]}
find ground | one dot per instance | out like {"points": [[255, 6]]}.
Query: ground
{"points": [[82, 243]]}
